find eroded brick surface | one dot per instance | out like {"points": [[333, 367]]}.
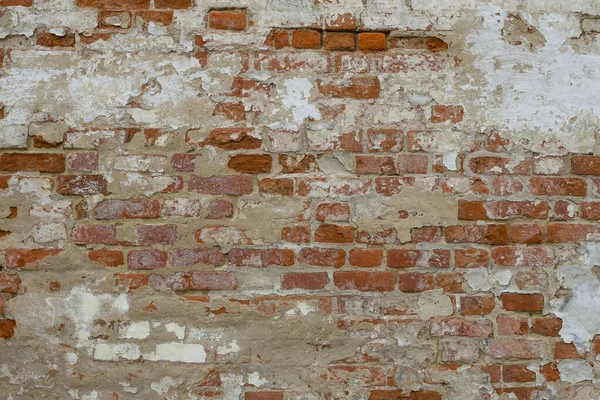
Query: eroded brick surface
{"points": [[310, 199]]}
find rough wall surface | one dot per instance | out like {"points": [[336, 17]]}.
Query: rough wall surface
{"points": [[299, 199]]}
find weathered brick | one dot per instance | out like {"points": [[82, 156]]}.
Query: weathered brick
{"points": [[364, 281]]}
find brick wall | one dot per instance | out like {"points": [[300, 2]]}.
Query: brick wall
{"points": [[309, 199]]}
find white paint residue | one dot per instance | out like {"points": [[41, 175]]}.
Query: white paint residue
{"points": [[449, 160], [255, 379], [547, 94], [503, 277], [134, 330], [478, 279], [116, 352], [178, 352], [178, 330], [232, 347], [295, 95], [574, 371], [71, 358], [579, 310], [232, 386], [161, 387]]}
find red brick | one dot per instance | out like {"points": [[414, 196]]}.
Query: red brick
{"points": [[418, 258], [83, 162], [384, 140], [509, 325], [356, 87], [184, 162], [517, 373], [41, 162], [426, 234], [220, 208], [251, 163], [523, 256], [173, 4], [159, 17], [127, 209], [471, 258], [566, 351], [415, 282], [107, 258], [364, 281], [7, 328], [340, 41], [48, 39], [263, 396], [546, 326], [565, 233], [333, 212], [442, 113], [434, 44], [516, 349], [365, 257], [132, 280], [504, 209], [526, 233], [12, 3], [272, 186], [146, 259], [94, 234], [585, 165], [322, 257], [229, 185], [212, 280], [230, 20], [529, 302], [412, 163], [306, 39], [382, 165], [499, 166], [554, 186], [477, 304], [372, 41], [9, 283], [483, 234], [450, 282], [330, 233], [199, 255], [471, 210], [550, 371], [81, 185], [459, 326], [232, 139], [20, 258], [507, 186], [590, 210], [281, 39], [147, 235], [296, 234], [297, 163], [261, 257], [304, 280]]}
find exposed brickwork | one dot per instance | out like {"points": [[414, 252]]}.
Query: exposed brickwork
{"points": [[318, 200]]}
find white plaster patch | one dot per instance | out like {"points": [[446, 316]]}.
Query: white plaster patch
{"points": [[178, 352], [232, 347], [579, 310], [449, 160], [134, 330], [574, 371], [294, 96], [178, 330], [478, 279], [255, 379], [434, 304], [548, 94], [161, 387], [503, 277], [116, 352]]}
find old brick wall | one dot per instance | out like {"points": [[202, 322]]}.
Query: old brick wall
{"points": [[299, 199]]}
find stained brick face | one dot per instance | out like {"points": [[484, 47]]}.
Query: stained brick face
{"points": [[320, 199]]}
